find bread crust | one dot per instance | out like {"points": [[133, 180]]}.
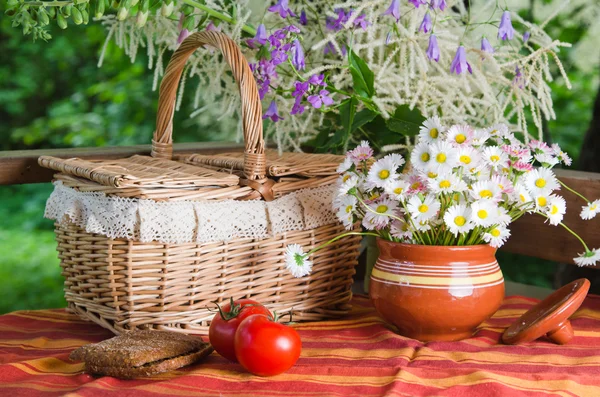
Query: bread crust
{"points": [[141, 353]]}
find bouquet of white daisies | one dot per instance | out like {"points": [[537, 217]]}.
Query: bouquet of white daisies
{"points": [[462, 186]]}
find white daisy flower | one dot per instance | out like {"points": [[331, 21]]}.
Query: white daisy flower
{"points": [[468, 157], [459, 198], [423, 225], [591, 210], [347, 182], [420, 156], [547, 160], [497, 236], [503, 218], [377, 216], [346, 206], [443, 157], [557, 207], [562, 156], [541, 181], [431, 130], [480, 137], [396, 159], [498, 131], [588, 258], [495, 158], [400, 229], [296, 261], [382, 172], [423, 210], [505, 185], [447, 183], [484, 213], [460, 134], [345, 165], [541, 201], [458, 219], [521, 195], [397, 189], [485, 190]]}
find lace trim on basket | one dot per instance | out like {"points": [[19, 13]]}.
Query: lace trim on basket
{"points": [[190, 221]]}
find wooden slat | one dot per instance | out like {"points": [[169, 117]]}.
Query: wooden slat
{"points": [[20, 166], [531, 236]]}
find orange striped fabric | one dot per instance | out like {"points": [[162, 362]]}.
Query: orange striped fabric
{"points": [[356, 356]]}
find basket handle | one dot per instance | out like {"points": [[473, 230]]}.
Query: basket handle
{"points": [[254, 152]]}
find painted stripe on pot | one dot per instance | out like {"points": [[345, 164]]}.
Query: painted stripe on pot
{"points": [[441, 281], [445, 275], [443, 287], [410, 264], [427, 270]]}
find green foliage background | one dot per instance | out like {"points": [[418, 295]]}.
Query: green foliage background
{"points": [[53, 95]]}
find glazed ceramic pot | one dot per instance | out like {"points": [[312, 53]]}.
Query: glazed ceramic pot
{"points": [[436, 292]]}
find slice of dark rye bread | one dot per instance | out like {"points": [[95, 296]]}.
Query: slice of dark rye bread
{"points": [[141, 353]]}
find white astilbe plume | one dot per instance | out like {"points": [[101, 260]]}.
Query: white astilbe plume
{"points": [[403, 73]]}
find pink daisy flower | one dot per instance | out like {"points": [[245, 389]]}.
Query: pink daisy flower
{"points": [[362, 152], [521, 166]]}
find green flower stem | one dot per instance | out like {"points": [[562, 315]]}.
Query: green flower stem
{"points": [[572, 191], [216, 14], [569, 230], [312, 251]]}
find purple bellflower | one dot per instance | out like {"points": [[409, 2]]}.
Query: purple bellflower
{"points": [[183, 33], [394, 10], [526, 36], [519, 80], [260, 38], [388, 38], [486, 46], [433, 51], [298, 107], [417, 3], [303, 20], [362, 22], [298, 56], [426, 24], [338, 24], [282, 8], [441, 4], [506, 30], [460, 64], [272, 113], [322, 99]]}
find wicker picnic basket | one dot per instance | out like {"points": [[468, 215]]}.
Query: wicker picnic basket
{"points": [[152, 242]]}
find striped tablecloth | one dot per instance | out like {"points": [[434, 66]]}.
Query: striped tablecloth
{"points": [[356, 356]]}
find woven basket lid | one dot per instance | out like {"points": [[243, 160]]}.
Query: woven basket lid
{"points": [[253, 174]]}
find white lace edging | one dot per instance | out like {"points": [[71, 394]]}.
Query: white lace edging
{"points": [[190, 221]]}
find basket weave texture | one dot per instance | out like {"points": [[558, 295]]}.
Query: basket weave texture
{"points": [[128, 282]]}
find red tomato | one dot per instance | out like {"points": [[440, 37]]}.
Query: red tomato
{"points": [[224, 324], [265, 347]]}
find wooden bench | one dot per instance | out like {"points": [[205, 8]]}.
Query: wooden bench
{"points": [[530, 235]]}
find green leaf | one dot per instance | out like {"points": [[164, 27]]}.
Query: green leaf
{"points": [[362, 77], [405, 121], [363, 117], [347, 113]]}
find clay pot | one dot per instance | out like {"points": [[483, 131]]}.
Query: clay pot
{"points": [[436, 292]]}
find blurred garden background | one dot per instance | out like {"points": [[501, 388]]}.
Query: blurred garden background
{"points": [[53, 95]]}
